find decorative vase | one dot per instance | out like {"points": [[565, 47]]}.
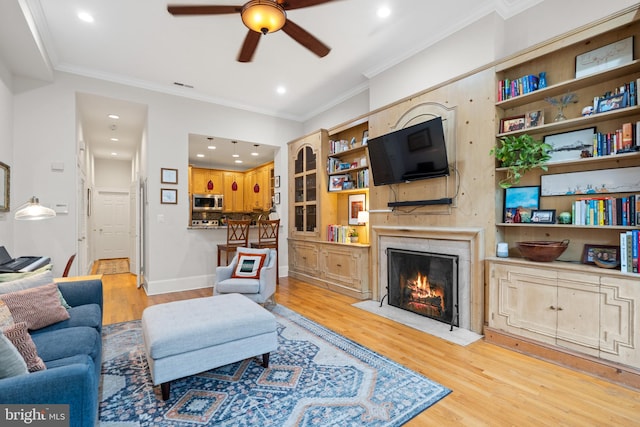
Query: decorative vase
{"points": [[560, 116], [542, 80], [564, 218]]}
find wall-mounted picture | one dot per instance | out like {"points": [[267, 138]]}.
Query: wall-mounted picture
{"points": [[604, 253], [570, 145], [356, 204], [511, 124], [168, 196], [5, 181], [276, 181], [336, 182], [533, 119], [520, 202], [619, 180], [168, 176], [605, 57], [547, 216], [276, 198], [613, 102]]}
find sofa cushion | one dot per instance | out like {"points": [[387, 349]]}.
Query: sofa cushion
{"points": [[20, 337], [37, 307], [78, 340], [13, 363], [6, 319], [249, 265], [82, 315], [22, 281], [240, 286]]}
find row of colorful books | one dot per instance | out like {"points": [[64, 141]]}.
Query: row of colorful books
{"points": [[624, 211], [341, 145], [511, 88], [338, 233], [623, 140], [629, 246]]}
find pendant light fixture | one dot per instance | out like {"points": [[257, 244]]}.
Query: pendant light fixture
{"points": [[210, 183], [256, 187], [33, 211], [234, 186]]}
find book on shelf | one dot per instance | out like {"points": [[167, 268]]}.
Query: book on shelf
{"points": [[337, 233], [508, 89], [629, 251], [606, 211]]}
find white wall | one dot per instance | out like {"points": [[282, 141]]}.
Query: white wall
{"points": [[45, 131], [6, 152], [113, 173]]}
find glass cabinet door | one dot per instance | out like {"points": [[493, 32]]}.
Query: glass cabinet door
{"points": [[305, 191]]}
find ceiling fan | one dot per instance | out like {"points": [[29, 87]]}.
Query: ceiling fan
{"points": [[262, 17]]}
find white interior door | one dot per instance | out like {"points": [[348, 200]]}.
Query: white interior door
{"points": [[111, 226], [80, 263]]}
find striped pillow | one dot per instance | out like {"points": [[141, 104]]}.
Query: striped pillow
{"points": [[37, 307], [21, 339]]}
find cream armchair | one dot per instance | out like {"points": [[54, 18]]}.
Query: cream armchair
{"points": [[258, 284]]}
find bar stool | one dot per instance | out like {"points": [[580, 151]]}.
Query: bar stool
{"points": [[237, 236], [268, 238]]}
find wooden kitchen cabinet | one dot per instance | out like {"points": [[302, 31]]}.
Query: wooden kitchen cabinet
{"points": [[200, 178], [233, 199]]}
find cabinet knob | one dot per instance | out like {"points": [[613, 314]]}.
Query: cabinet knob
{"points": [[552, 307], [338, 265]]}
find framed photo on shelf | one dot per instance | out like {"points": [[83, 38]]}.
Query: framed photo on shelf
{"points": [[356, 204], [605, 57], [570, 145], [533, 119], [605, 253], [540, 216], [168, 196], [168, 176], [511, 124], [336, 182], [520, 202], [613, 102]]}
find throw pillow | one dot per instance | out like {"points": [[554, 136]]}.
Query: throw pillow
{"points": [[6, 319], [249, 266], [12, 362], [19, 336], [37, 307], [26, 282]]}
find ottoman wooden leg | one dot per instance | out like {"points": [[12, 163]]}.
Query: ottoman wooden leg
{"points": [[265, 360], [166, 390]]}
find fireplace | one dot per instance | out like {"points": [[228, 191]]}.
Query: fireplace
{"points": [[424, 283]]}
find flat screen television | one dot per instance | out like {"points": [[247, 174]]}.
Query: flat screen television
{"points": [[409, 154]]}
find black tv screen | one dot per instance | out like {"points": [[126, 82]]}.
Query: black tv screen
{"points": [[409, 154]]}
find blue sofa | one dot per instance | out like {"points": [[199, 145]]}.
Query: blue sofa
{"points": [[72, 352]]}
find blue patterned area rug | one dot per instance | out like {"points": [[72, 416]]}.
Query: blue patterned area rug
{"points": [[316, 378]]}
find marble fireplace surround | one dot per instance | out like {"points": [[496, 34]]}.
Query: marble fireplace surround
{"points": [[467, 243]]}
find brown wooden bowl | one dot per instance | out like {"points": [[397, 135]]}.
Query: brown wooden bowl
{"points": [[542, 251]]}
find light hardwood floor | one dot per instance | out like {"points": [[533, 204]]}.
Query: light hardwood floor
{"points": [[492, 386]]}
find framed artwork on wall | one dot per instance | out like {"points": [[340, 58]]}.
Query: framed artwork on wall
{"points": [[168, 176], [520, 202], [168, 196], [356, 204]]}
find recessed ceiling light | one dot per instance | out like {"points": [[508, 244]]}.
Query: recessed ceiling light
{"points": [[383, 12], [254, 154], [238, 161], [114, 154], [115, 139], [211, 147], [281, 90], [235, 155], [113, 116], [85, 17], [199, 155]]}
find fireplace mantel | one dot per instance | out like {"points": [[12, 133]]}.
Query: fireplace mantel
{"points": [[471, 239]]}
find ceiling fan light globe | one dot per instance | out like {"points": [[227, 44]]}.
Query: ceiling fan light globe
{"points": [[263, 16]]}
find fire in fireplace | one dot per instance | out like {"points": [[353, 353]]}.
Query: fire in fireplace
{"points": [[424, 283]]}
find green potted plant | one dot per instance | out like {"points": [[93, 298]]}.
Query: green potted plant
{"points": [[353, 235], [519, 154]]}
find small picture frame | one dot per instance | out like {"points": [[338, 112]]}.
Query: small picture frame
{"points": [[276, 181], [520, 202], [336, 182], [543, 216], [512, 124], [276, 198], [365, 137], [168, 176], [168, 196], [613, 102], [533, 118], [347, 185], [606, 253], [356, 204]]}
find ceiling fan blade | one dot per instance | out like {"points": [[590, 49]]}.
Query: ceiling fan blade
{"points": [[305, 38], [297, 4], [249, 46], [203, 10]]}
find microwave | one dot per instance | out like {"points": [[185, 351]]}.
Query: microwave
{"points": [[207, 202]]}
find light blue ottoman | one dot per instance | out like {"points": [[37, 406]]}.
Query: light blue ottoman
{"points": [[187, 337]]}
